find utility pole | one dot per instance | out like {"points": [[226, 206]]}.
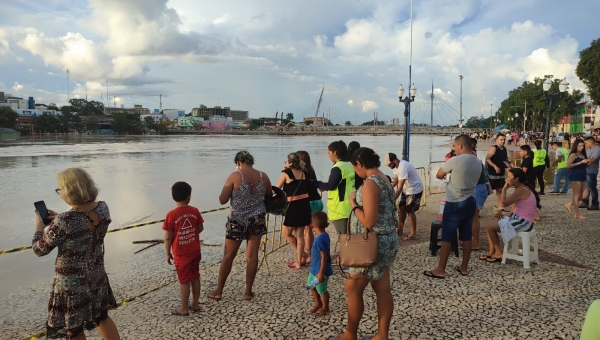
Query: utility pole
{"points": [[107, 99], [114, 101], [374, 121], [491, 117], [432, 95], [461, 117], [160, 99], [68, 94], [525, 116]]}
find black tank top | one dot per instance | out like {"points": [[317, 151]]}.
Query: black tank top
{"points": [[300, 187], [498, 159]]}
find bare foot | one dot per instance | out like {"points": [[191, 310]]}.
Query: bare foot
{"points": [[214, 295], [568, 207], [581, 217], [314, 309], [322, 312], [248, 296], [475, 246], [410, 237]]}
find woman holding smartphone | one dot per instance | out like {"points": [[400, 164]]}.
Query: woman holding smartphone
{"points": [[81, 295], [577, 162]]}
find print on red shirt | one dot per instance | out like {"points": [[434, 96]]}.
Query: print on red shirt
{"points": [[183, 222]]}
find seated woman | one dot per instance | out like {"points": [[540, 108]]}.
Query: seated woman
{"points": [[526, 200]]}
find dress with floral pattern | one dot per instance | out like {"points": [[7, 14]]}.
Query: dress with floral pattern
{"points": [[81, 294], [385, 228]]}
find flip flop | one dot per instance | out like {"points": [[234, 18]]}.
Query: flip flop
{"points": [[175, 312], [430, 274], [192, 308], [484, 257], [249, 297], [407, 238], [457, 268], [494, 260], [212, 296]]}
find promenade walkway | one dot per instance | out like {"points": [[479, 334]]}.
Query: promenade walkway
{"points": [[495, 301]]}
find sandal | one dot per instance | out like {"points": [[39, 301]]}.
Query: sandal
{"points": [[249, 297], [407, 238], [192, 308], [494, 259], [457, 268], [175, 312], [430, 274], [484, 257]]}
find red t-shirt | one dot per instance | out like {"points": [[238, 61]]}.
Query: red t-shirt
{"points": [[183, 222]]}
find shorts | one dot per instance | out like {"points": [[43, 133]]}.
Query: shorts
{"points": [[187, 267], [321, 287], [481, 194], [340, 225], [241, 230], [513, 224], [411, 202], [458, 216], [316, 205], [497, 183]]}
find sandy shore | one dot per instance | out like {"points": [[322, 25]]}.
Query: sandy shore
{"points": [[494, 302]]}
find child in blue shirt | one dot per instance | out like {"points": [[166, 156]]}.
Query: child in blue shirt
{"points": [[320, 268]]}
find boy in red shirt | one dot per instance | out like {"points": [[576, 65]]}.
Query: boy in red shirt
{"points": [[182, 227]]}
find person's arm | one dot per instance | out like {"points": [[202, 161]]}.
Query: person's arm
{"points": [[267, 183], [559, 158], [227, 189], [282, 180], [370, 209], [167, 242], [399, 190], [335, 177], [321, 275], [488, 159], [571, 161], [45, 241], [516, 196]]}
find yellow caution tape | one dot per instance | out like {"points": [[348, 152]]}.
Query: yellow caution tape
{"points": [[8, 251]]}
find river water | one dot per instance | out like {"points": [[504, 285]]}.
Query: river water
{"points": [[135, 175]]}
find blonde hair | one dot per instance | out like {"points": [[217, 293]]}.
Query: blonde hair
{"points": [[76, 186], [295, 161]]}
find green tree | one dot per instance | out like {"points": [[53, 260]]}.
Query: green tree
{"points": [[149, 123], [371, 122], [474, 123], [47, 123], [588, 69], [537, 104], [127, 123], [348, 123], [53, 107], [91, 124], [8, 117], [289, 116], [256, 123], [308, 122], [86, 108]]}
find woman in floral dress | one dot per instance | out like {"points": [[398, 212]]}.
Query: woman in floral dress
{"points": [[81, 295], [374, 208]]}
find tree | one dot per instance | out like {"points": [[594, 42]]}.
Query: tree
{"points": [[47, 123], [474, 123], [289, 116], [308, 122], [8, 117], [537, 104], [149, 123], [53, 107], [91, 124], [127, 123], [588, 69], [371, 122], [86, 108], [348, 123], [256, 123]]}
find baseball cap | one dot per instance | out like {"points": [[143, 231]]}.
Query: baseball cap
{"points": [[389, 157]]}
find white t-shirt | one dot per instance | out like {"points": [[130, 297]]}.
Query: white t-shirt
{"points": [[407, 172]]}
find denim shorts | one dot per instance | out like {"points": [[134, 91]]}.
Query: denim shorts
{"points": [[481, 195], [458, 216]]}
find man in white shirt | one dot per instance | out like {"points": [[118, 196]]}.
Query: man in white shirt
{"points": [[410, 190]]}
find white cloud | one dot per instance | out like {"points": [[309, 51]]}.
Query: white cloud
{"points": [[351, 102], [369, 105], [225, 18]]}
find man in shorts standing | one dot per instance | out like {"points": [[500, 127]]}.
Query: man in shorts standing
{"points": [[494, 160], [593, 153], [460, 204], [410, 190]]}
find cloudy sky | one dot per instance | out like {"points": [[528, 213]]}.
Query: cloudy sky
{"points": [[275, 55]]}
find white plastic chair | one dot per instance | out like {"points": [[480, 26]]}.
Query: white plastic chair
{"points": [[524, 255]]}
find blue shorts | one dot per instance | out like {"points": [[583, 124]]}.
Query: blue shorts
{"points": [[458, 216], [481, 195]]}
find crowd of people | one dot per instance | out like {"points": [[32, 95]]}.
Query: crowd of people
{"points": [[360, 198]]}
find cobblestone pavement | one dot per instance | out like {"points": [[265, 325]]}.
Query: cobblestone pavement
{"points": [[494, 301]]}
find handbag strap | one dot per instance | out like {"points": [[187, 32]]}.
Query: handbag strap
{"points": [[342, 273], [294, 194]]}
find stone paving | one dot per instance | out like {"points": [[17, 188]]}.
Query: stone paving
{"points": [[494, 301]]}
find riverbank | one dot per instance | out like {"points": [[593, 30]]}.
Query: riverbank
{"points": [[493, 301]]}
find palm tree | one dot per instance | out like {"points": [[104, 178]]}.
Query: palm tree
{"points": [[289, 116]]}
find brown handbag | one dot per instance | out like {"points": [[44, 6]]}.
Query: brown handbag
{"points": [[357, 250]]}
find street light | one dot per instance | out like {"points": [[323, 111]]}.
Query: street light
{"points": [[562, 87], [407, 100]]}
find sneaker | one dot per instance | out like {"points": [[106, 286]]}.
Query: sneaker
{"points": [[593, 207], [583, 205], [554, 192]]}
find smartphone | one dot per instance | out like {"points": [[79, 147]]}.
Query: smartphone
{"points": [[507, 164], [40, 206]]}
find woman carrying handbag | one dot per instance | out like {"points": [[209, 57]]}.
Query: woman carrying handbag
{"points": [[373, 208]]}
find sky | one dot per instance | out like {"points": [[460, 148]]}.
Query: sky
{"points": [[268, 56]]}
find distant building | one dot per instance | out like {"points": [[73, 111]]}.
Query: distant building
{"points": [[238, 114], [136, 110], [173, 114], [395, 121], [155, 117], [37, 112], [207, 112], [270, 122], [582, 120], [15, 103], [319, 121]]}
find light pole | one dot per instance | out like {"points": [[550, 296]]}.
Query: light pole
{"points": [[407, 100], [509, 123], [461, 119], [562, 87]]}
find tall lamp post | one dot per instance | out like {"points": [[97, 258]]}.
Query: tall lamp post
{"points": [[562, 87], [407, 100]]}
